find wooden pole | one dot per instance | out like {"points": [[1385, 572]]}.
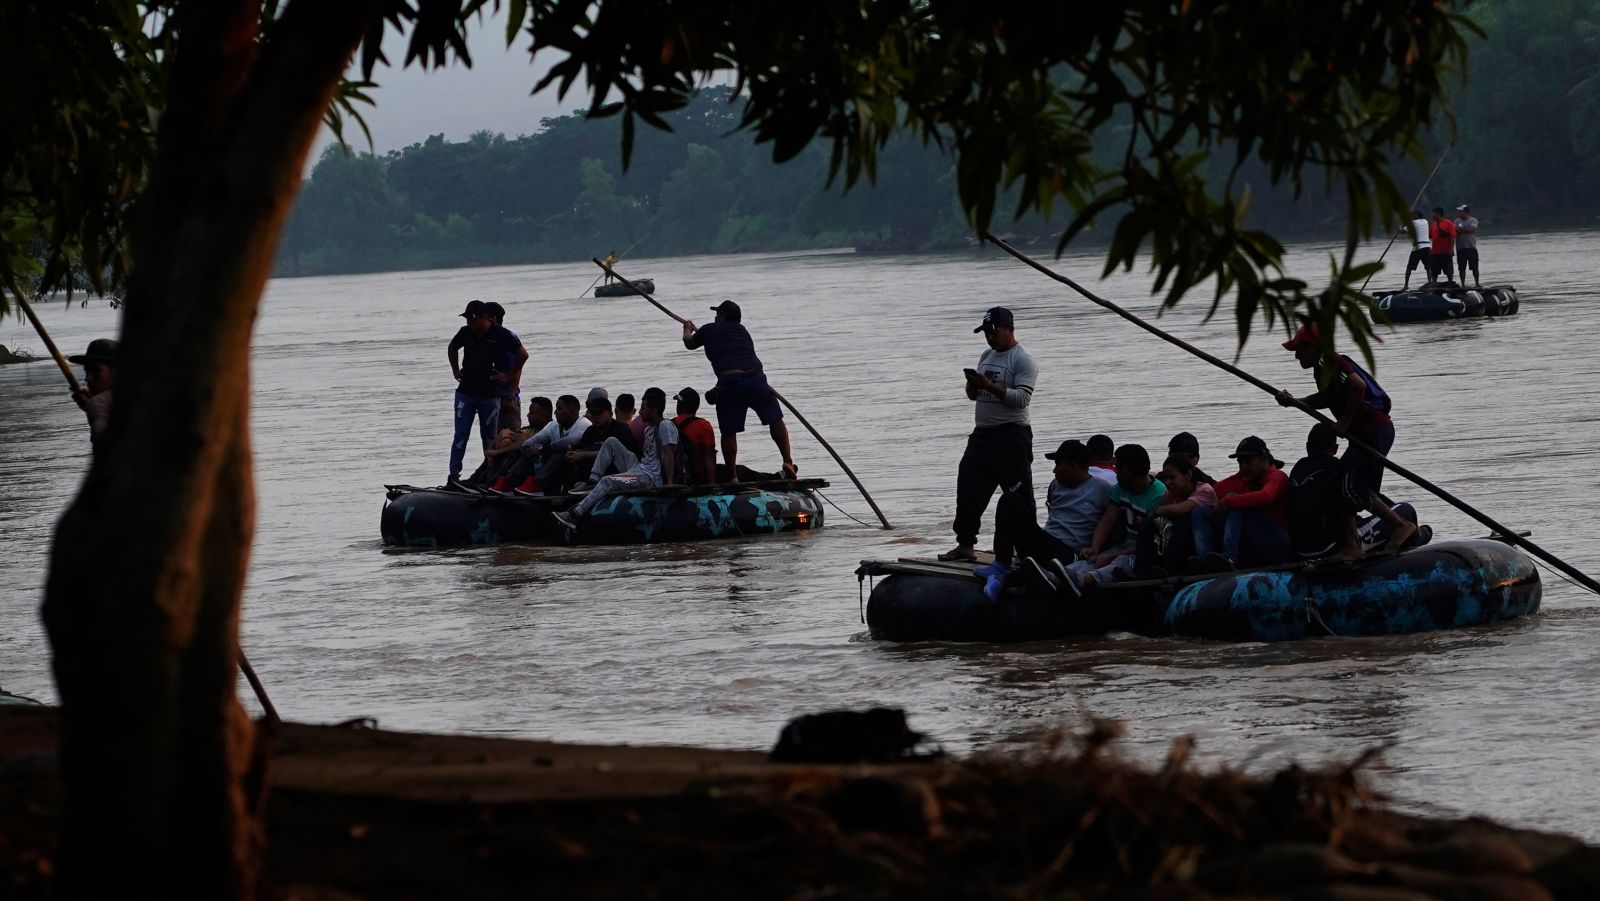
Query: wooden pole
{"points": [[1509, 535], [66, 370], [1414, 201], [781, 399], [55, 352]]}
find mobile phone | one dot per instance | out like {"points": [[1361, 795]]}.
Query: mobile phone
{"points": [[970, 372]]}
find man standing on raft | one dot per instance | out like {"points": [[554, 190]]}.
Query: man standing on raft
{"points": [[999, 451], [741, 384], [1361, 408]]}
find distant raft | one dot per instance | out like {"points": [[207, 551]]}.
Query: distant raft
{"points": [[1448, 301], [618, 289], [435, 517], [1447, 585]]}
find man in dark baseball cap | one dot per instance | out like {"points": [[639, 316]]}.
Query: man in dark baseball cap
{"points": [[999, 451], [99, 363], [697, 440], [494, 358], [1075, 502], [741, 385], [1253, 511]]}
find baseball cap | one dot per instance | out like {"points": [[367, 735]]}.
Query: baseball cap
{"points": [[1307, 336], [688, 396], [1463, 208], [729, 310], [475, 309], [597, 394], [101, 350], [598, 405], [1254, 447], [996, 317], [1073, 451], [1184, 443]]}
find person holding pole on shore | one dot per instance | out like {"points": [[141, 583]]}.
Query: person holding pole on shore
{"points": [[741, 384], [1362, 410], [999, 451], [99, 368]]}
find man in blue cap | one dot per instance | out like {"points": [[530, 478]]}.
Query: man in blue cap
{"points": [[741, 385], [999, 451]]}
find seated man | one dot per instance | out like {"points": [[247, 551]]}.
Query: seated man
{"points": [[503, 453], [1186, 445], [603, 425], [697, 465], [1253, 506], [1074, 503], [1102, 459], [1316, 523], [1135, 498], [655, 467], [546, 446], [1166, 540]]}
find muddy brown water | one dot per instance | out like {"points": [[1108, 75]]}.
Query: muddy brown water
{"points": [[719, 643]]}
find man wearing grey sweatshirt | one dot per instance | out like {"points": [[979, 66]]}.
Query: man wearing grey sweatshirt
{"points": [[1000, 449]]}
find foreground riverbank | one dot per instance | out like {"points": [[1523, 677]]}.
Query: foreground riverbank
{"points": [[358, 812]]}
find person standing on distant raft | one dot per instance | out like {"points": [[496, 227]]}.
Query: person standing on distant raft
{"points": [[1467, 243], [1421, 249], [1442, 236], [611, 260], [741, 385], [1361, 408], [999, 451], [478, 380]]}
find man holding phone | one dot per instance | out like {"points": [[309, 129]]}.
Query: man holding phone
{"points": [[999, 451]]}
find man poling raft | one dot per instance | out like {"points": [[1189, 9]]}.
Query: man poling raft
{"points": [[741, 384]]}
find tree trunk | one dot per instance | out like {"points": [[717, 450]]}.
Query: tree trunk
{"points": [[143, 599]]}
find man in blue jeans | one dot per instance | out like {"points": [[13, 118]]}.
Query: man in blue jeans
{"points": [[487, 347], [1253, 508]]}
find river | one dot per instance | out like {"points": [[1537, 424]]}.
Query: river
{"points": [[719, 643]]}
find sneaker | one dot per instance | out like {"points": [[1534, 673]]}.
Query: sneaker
{"points": [[992, 569], [523, 492], [1039, 575], [1213, 562], [1059, 570], [583, 487], [502, 485], [993, 587], [567, 519], [1070, 588], [455, 484]]}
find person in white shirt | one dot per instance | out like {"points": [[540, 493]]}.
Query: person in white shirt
{"points": [[1421, 246], [1102, 459], [652, 469], [546, 447]]}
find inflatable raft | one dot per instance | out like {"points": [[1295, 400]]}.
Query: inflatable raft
{"points": [[436, 517], [1448, 301], [1446, 585], [618, 289]]}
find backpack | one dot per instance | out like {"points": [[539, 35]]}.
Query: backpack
{"points": [[1377, 398], [683, 468]]}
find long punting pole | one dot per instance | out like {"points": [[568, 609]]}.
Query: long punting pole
{"points": [[1504, 533], [781, 399], [1414, 201], [244, 662]]}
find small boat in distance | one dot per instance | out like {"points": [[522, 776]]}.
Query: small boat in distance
{"points": [[618, 289]]}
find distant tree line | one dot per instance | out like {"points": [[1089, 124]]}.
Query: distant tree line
{"points": [[1525, 155]]}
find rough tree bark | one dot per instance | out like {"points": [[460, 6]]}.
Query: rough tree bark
{"points": [[142, 604]]}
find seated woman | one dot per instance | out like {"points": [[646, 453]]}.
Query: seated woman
{"points": [[1166, 540]]}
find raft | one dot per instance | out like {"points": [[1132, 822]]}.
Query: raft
{"points": [[1444, 585], [1448, 301], [437, 517], [618, 289]]}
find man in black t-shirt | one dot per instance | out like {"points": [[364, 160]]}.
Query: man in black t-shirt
{"points": [[1316, 517], [487, 347], [741, 384], [603, 424]]}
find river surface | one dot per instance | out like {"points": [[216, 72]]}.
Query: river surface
{"points": [[719, 643]]}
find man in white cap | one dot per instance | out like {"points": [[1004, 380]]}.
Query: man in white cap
{"points": [[1467, 244]]}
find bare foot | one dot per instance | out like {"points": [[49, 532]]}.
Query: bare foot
{"points": [[962, 552], [791, 471], [1400, 537]]}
